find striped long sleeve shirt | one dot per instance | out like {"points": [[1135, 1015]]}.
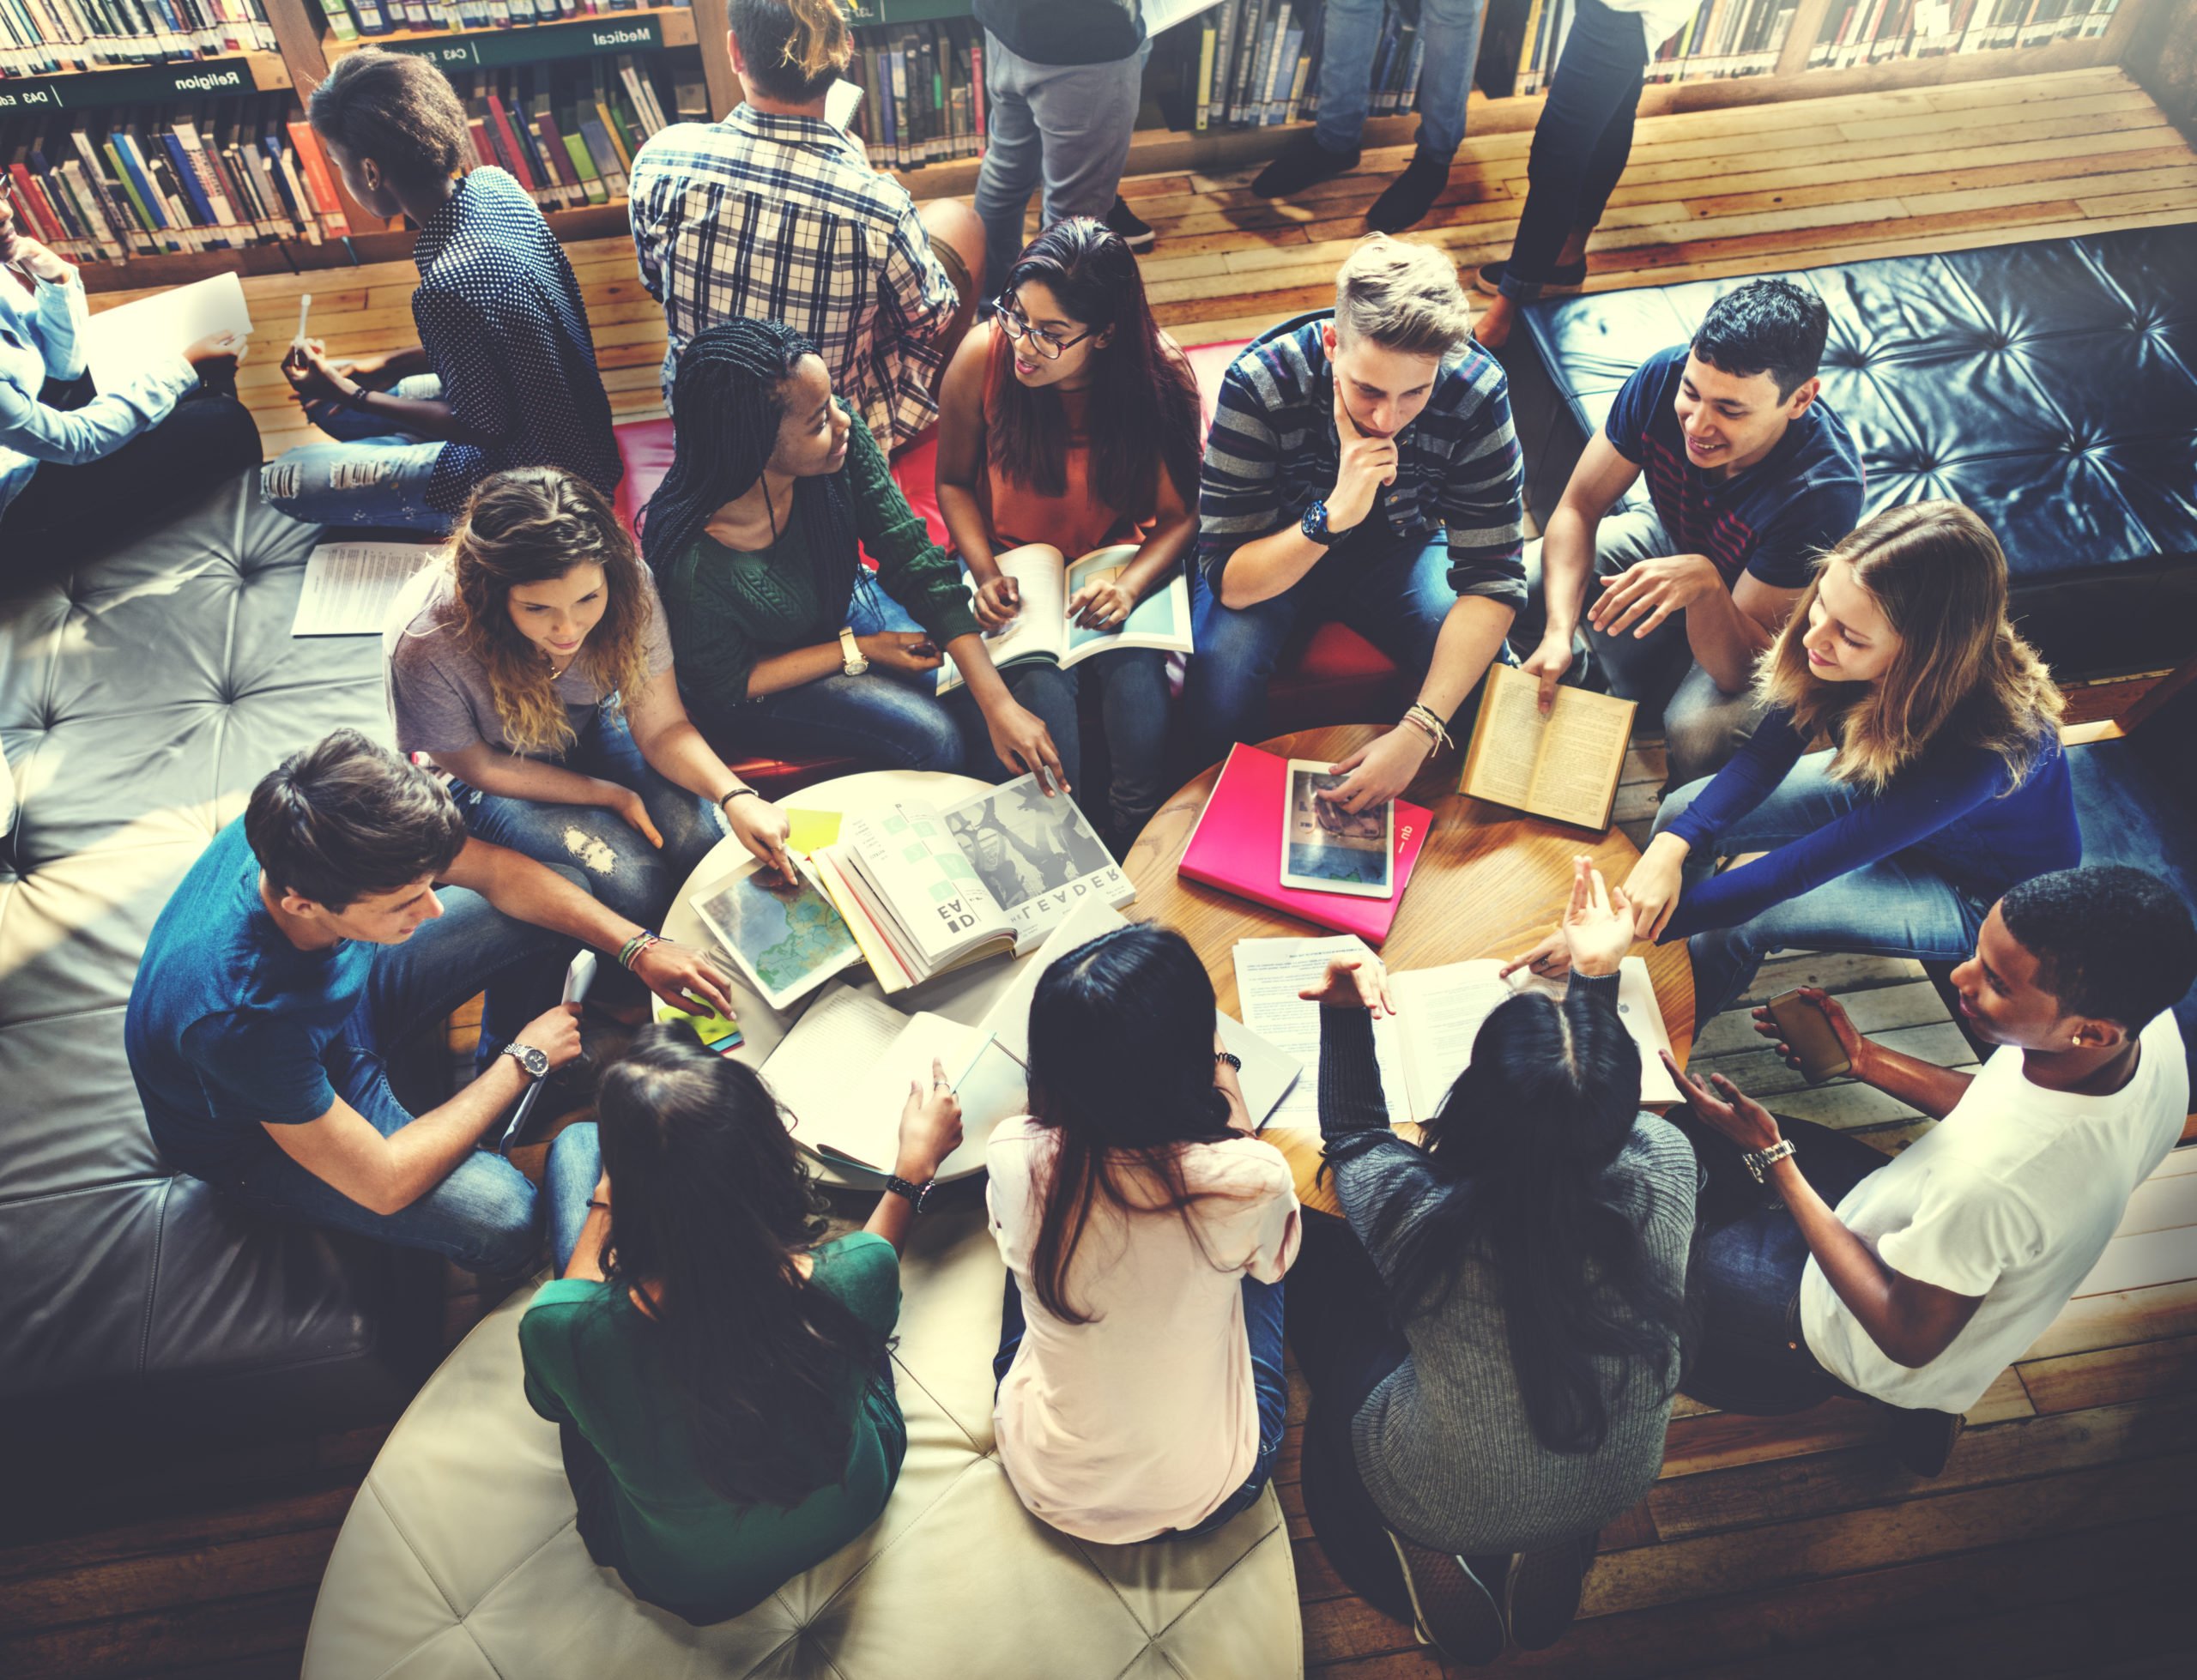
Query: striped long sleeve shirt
{"points": [[1273, 452]]}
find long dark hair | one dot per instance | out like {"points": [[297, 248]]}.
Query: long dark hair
{"points": [[1121, 1072], [1143, 412], [710, 1204], [728, 399], [1524, 1142]]}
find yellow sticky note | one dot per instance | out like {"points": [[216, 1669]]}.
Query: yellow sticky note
{"points": [[812, 831]]}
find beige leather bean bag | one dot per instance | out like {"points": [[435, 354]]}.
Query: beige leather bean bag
{"points": [[459, 1560]]}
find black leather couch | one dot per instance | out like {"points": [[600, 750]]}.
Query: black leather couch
{"points": [[141, 697], [2051, 386]]}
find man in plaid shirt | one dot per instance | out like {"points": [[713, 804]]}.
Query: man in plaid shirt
{"points": [[776, 214]]}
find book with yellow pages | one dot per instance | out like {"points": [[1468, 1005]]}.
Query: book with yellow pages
{"points": [[1563, 764]]}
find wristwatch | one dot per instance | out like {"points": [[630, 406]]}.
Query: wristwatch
{"points": [[851, 661], [535, 1064], [1314, 524], [918, 1196], [1759, 1161]]}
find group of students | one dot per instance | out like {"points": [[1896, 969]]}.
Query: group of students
{"points": [[1493, 1332]]}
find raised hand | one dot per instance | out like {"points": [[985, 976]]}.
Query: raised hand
{"points": [[1353, 982], [1597, 924]]}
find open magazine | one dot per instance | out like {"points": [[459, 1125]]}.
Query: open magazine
{"points": [[1043, 632], [842, 1073], [925, 889]]}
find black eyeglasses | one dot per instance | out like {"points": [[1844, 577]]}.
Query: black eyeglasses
{"points": [[1016, 325]]}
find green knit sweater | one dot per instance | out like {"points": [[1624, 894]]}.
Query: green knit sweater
{"points": [[1444, 1444], [729, 609]]}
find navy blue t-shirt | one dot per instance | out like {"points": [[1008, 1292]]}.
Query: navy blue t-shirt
{"points": [[1772, 519], [229, 1022]]}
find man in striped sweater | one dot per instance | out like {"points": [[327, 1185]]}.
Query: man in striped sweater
{"points": [[1361, 467]]}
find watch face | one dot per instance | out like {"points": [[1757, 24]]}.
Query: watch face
{"points": [[531, 1058]]}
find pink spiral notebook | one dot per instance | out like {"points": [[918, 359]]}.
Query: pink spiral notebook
{"points": [[1237, 847]]}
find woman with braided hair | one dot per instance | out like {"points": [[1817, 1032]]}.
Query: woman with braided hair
{"points": [[534, 668], [784, 640]]}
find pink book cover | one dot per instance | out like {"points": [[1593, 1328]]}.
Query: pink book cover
{"points": [[1237, 847]]}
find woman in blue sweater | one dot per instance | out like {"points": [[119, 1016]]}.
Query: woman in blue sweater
{"points": [[1944, 786]]}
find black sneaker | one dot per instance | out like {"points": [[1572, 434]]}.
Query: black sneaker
{"points": [[1135, 232], [1299, 164], [1410, 195], [1565, 280], [1923, 1440], [1544, 1592], [1455, 1610]]}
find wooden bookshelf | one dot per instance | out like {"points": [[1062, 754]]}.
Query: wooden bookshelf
{"points": [[533, 43], [231, 73]]}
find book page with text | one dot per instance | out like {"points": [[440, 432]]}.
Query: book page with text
{"points": [[1506, 738], [1040, 629], [1269, 974], [1582, 756]]}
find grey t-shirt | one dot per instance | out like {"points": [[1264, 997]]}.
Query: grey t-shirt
{"points": [[438, 694]]}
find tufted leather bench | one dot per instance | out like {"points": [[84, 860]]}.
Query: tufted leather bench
{"points": [[460, 1561], [140, 698], [2051, 386]]}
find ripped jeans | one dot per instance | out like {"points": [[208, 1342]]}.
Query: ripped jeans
{"points": [[372, 475], [623, 871]]}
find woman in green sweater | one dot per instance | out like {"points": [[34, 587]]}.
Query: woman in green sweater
{"points": [[783, 642], [719, 1375], [1492, 1340]]}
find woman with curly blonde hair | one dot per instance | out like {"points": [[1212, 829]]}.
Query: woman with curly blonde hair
{"points": [[534, 668], [1940, 785]]}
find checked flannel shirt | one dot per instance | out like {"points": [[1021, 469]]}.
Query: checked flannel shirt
{"points": [[782, 218]]}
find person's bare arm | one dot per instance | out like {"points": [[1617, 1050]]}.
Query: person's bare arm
{"points": [[930, 1130], [1472, 632], [1107, 606], [1728, 632], [675, 749], [586, 1263], [1923, 1086], [1601, 475], [961, 454]]}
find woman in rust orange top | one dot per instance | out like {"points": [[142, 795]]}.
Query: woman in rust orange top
{"points": [[1069, 422]]}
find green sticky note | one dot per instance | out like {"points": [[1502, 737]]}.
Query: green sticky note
{"points": [[812, 831], [717, 1032]]}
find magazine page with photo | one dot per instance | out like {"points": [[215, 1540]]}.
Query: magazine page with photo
{"points": [[1038, 857], [1043, 630]]}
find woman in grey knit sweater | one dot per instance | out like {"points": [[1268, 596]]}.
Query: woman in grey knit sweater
{"points": [[1492, 1339]]}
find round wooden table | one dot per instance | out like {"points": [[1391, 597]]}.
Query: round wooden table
{"points": [[1489, 883]]}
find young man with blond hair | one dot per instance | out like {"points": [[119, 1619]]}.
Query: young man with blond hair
{"points": [[1361, 468]]}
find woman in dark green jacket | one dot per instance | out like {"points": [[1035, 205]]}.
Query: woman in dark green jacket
{"points": [[783, 642]]}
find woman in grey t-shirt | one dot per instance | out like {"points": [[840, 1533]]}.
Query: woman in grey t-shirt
{"points": [[535, 670]]}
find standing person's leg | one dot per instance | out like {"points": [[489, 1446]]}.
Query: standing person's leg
{"points": [[1399, 599], [1014, 160], [1225, 693], [1350, 30], [568, 1182], [1448, 30], [1088, 115], [1133, 701]]}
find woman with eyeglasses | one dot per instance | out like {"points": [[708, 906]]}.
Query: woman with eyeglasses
{"points": [[785, 641], [1070, 421]]}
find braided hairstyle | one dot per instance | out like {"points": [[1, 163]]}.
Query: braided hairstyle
{"points": [[728, 398]]}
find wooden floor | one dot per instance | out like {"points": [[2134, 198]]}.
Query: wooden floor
{"points": [[2056, 1541]]}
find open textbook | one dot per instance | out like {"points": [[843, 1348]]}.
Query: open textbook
{"points": [[121, 341], [1428, 1042], [1563, 766], [926, 889], [843, 1072], [1043, 630]]}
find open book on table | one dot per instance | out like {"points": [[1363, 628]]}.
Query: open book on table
{"points": [[1563, 766], [926, 889], [842, 1073], [1427, 1042], [1043, 630]]}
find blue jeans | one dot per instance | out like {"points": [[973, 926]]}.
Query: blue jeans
{"points": [[1581, 142], [372, 475], [1900, 906], [1743, 1279], [482, 1216], [1262, 1320], [1449, 29], [1134, 703], [568, 1182], [1067, 125], [897, 718], [623, 870], [1395, 591]]}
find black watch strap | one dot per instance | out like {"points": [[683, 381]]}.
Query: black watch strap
{"points": [[917, 1194]]}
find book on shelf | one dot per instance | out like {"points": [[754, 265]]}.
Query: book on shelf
{"points": [[1254, 64], [351, 21], [1563, 766], [922, 90], [566, 130], [927, 889], [1871, 32], [1720, 38], [1043, 633], [57, 37]]}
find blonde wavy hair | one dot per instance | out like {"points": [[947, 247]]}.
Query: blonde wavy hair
{"points": [[1960, 671], [822, 39], [530, 525]]}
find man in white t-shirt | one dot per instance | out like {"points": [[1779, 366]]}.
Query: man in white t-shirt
{"points": [[1941, 1266]]}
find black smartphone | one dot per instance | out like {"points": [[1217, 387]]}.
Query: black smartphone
{"points": [[1808, 1035]]}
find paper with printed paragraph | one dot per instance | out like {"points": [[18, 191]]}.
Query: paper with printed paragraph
{"points": [[351, 588]]}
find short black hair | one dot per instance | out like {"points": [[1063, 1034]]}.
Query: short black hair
{"points": [[2111, 942], [348, 818], [397, 109], [792, 49], [1766, 326]]}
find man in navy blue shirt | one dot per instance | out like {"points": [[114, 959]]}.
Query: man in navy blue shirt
{"points": [[1750, 475], [307, 941]]}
